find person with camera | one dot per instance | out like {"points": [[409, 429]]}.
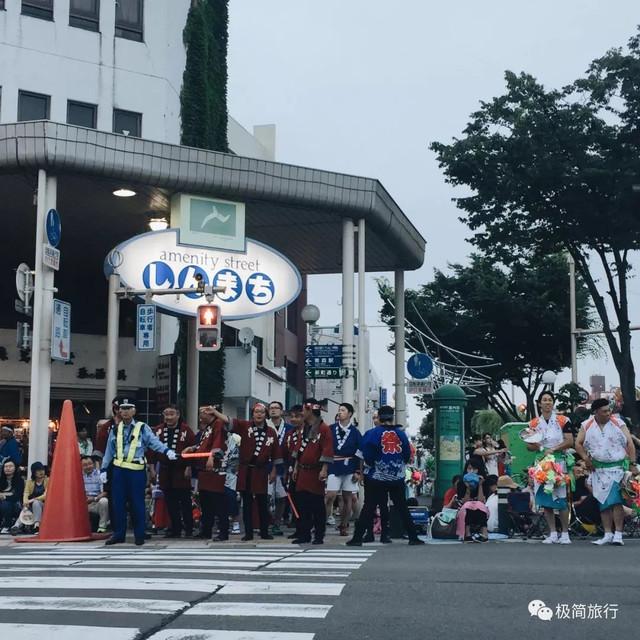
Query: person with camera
{"points": [[125, 453]]}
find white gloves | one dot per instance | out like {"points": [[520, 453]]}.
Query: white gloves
{"points": [[171, 454], [103, 477]]}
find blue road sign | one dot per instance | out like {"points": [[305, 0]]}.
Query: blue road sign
{"points": [[322, 350], [420, 366], [383, 396], [53, 227]]}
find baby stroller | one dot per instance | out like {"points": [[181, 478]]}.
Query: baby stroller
{"points": [[585, 522], [524, 522]]}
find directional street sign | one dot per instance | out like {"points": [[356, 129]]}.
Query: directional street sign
{"points": [[332, 373], [53, 227], [61, 331], [420, 366], [419, 387], [323, 361]]}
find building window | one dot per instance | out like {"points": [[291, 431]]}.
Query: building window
{"points": [[82, 114], [85, 14], [129, 16], [292, 317], [33, 106], [258, 343], [38, 9], [127, 122]]}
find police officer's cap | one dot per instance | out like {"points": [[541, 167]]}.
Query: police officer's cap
{"points": [[125, 403]]}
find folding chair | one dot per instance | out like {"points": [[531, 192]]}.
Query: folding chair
{"points": [[524, 521]]}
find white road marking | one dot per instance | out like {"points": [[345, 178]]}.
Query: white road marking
{"points": [[138, 583], [108, 605], [65, 632], [132, 562], [316, 565], [206, 634], [259, 609], [282, 588], [223, 572]]}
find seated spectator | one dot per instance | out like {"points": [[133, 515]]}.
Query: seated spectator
{"points": [[96, 496], [490, 490], [9, 447], [35, 492], [450, 493], [11, 492], [473, 513], [586, 507], [84, 441]]}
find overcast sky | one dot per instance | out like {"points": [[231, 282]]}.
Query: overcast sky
{"points": [[363, 87]]}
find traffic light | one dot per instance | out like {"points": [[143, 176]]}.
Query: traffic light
{"points": [[209, 327]]}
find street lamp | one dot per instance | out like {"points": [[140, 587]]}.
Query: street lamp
{"points": [[310, 315], [156, 221], [549, 379]]}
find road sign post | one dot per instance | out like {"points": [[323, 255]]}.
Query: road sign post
{"points": [[323, 361]]}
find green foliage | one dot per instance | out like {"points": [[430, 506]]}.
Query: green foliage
{"points": [[203, 110], [486, 421], [554, 170], [517, 316]]}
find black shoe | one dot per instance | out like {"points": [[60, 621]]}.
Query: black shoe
{"points": [[316, 541], [415, 542], [354, 543], [204, 536], [246, 538], [469, 539], [369, 538], [220, 539], [147, 536], [171, 534], [301, 541], [139, 542], [293, 536], [111, 541], [266, 536], [385, 540], [481, 539]]}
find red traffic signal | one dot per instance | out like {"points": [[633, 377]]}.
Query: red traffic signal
{"points": [[209, 328]]}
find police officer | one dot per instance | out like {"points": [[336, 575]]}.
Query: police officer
{"points": [[125, 448]]}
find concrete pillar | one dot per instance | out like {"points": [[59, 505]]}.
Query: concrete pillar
{"points": [[347, 308], [42, 319], [401, 399], [363, 356], [113, 322], [193, 373]]}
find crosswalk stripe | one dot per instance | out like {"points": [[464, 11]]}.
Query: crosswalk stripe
{"points": [[110, 605], [259, 609], [138, 583], [316, 565], [282, 588], [213, 634], [235, 572], [66, 632], [133, 561]]}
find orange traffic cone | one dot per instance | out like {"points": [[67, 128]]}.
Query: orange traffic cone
{"points": [[65, 517]]}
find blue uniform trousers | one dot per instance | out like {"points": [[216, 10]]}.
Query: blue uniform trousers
{"points": [[128, 486]]}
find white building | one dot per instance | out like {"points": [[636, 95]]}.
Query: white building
{"points": [[116, 67]]}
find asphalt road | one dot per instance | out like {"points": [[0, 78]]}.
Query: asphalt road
{"points": [[185, 591], [483, 591]]}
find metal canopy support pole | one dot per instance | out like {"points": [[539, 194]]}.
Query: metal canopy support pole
{"points": [[113, 321], [363, 356], [193, 373], [401, 401], [572, 305], [347, 308], [42, 318]]}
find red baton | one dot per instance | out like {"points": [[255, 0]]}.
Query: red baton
{"points": [[195, 455]]}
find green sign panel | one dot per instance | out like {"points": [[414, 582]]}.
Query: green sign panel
{"points": [[331, 373]]}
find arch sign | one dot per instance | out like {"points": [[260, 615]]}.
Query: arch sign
{"points": [[258, 280]]}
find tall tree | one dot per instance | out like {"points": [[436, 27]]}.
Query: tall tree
{"points": [[555, 170], [518, 317], [204, 115]]}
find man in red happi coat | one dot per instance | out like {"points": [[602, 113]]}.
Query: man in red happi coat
{"points": [[313, 456], [259, 455], [175, 476]]}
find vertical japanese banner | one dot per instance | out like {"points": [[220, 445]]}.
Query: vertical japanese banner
{"points": [[146, 327], [61, 331]]}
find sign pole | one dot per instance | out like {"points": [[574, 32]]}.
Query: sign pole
{"points": [[113, 315], [401, 399], [193, 373], [42, 318]]}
